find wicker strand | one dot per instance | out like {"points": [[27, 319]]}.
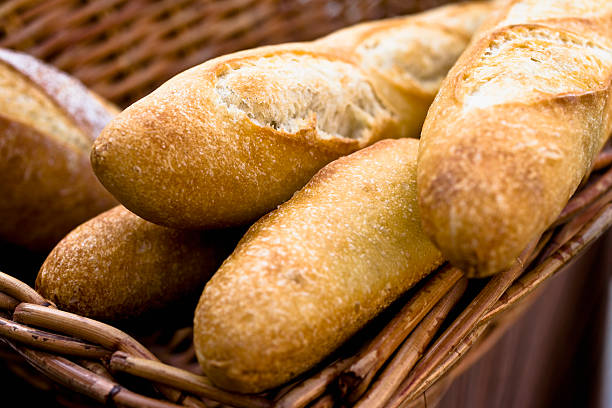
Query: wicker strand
{"points": [[354, 374], [461, 327], [604, 158], [49, 341], [8, 302], [587, 235], [181, 379], [590, 219], [534, 279], [354, 381], [124, 49], [80, 327], [412, 349], [92, 331], [84, 381], [593, 217], [16, 289], [313, 387], [458, 352], [586, 196]]}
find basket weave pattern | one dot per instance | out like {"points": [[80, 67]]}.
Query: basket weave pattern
{"points": [[123, 49], [90, 357]]}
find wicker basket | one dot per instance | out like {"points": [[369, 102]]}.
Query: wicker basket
{"points": [[124, 49]]}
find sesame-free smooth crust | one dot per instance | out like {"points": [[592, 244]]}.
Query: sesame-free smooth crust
{"points": [[227, 141], [48, 122], [310, 274], [514, 129], [118, 266]]}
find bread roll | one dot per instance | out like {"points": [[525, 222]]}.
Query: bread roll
{"points": [[514, 129], [310, 274], [48, 122], [117, 265], [227, 141]]}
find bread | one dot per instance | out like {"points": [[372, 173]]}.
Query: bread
{"points": [[412, 53], [48, 122], [514, 129], [227, 141], [310, 274], [118, 266]]}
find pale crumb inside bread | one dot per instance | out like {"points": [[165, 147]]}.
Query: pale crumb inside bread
{"points": [[551, 9], [21, 101], [405, 53], [526, 63], [291, 92]]}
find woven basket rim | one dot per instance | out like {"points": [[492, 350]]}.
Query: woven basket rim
{"points": [[32, 327], [84, 355]]}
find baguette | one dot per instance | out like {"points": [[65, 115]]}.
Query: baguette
{"points": [[227, 141], [48, 122], [118, 266], [310, 274], [514, 129]]}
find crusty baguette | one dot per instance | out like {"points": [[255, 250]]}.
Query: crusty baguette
{"points": [[411, 53], [515, 128], [308, 275], [117, 266], [227, 141], [48, 122]]}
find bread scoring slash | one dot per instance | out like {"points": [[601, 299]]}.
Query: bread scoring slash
{"points": [[227, 141], [515, 128]]}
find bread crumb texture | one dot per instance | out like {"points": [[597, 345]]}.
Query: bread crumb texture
{"points": [[290, 92], [407, 54], [527, 63], [514, 129]]}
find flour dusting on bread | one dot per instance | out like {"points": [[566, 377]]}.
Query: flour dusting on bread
{"points": [[292, 92], [22, 102], [530, 62], [406, 54], [78, 104]]}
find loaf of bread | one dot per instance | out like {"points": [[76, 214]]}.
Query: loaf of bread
{"points": [[117, 266], [310, 274], [227, 141], [515, 128], [48, 122]]}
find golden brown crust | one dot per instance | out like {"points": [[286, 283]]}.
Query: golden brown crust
{"points": [[88, 111], [47, 124], [117, 265], [47, 187], [514, 129], [308, 275], [226, 141], [413, 53]]}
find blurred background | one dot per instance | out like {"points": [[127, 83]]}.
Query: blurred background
{"points": [[123, 49], [553, 355]]}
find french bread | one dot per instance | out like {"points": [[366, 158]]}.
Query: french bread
{"points": [[515, 128], [308, 275], [118, 266], [48, 122], [227, 141]]}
